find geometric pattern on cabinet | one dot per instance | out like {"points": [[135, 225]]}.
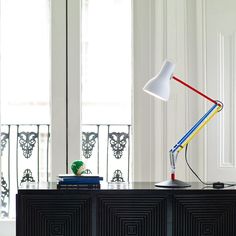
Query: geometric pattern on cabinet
{"points": [[55, 215], [204, 215], [131, 215]]}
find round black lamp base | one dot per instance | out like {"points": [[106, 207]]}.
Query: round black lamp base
{"points": [[172, 184]]}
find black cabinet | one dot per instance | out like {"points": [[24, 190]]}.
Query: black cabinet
{"points": [[204, 214], [137, 209], [53, 214], [131, 214]]}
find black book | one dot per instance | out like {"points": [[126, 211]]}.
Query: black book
{"points": [[78, 186]]}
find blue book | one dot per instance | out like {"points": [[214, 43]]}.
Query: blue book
{"points": [[84, 179], [72, 176]]}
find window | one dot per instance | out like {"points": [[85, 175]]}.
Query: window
{"points": [[25, 96], [106, 87]]}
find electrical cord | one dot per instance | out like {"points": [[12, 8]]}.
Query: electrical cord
{"points": [[215, 184], [186, 159]]}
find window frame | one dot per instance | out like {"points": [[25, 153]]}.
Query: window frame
{"points": [[145, 120], [66, 98]]}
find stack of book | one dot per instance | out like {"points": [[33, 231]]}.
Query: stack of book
{"points": [[68, 181]]}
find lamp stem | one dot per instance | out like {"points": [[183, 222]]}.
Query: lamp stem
{"points": [[172, 176], [195, 90]]}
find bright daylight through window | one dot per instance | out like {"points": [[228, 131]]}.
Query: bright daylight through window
{"points": [[25, 109], [106, 88]]}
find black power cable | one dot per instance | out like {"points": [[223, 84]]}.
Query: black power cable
{"points": [[215, 184], [186, 159]]}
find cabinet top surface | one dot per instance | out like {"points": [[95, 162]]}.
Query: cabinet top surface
{"points": [[139, 186]]}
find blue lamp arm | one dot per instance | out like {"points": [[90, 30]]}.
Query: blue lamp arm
{"points": [[192, 132], [195, 126]]}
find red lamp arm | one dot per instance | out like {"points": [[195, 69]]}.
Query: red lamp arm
{"points": [[195, 90]]}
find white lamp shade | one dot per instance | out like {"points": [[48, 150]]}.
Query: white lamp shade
{"points": [[159, 86]]}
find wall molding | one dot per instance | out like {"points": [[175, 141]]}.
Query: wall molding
{"points": [[148, 24], [201, 72], [226, 67]]}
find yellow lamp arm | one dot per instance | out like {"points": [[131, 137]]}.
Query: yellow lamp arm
{"points": [[199, 128]]}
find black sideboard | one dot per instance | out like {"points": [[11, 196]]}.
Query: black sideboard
{"points": [[137, 209]]}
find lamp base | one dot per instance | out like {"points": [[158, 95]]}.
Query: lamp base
{"points": [[172, 183]]}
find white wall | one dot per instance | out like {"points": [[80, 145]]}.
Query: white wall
{"points": [[217, 67], [161, 30], [184, 31]]}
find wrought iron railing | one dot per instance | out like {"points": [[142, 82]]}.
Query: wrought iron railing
{"points": [[24, 158], [106, 150]]}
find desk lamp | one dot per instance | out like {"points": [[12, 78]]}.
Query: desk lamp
{"points": [[159, 87]]}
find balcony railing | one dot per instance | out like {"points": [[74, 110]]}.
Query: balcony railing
{"points": [[25, 156]]}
